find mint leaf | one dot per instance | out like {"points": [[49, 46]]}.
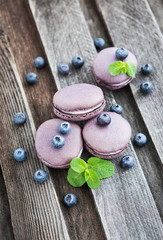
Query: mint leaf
{"points": [[124, 70], [75, 179], [78, 165], [93, 179], [86, 175], [102, 168], [131, 69], [115, 68]]}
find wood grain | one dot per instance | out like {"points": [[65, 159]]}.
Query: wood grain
{"points": [[6, 232], [25, 44], [127, 23], [157, 9], [33, 214], [124, 202], [148, 159]]}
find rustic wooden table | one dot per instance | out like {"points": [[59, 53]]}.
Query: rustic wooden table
{"points": [[127, 206]]}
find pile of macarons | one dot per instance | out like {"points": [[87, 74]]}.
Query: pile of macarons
{"points": [[105, 134]]}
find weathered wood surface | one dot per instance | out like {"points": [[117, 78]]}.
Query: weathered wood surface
{"points": [[26, 45], [6, 232], [148, 159], [157, 9], [126, 195], [127, 24], [35, 210]]}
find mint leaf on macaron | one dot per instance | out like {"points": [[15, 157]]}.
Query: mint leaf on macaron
{"points": [[131, 69], [122, 67], [115, 68]]}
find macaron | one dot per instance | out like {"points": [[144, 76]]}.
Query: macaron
{"points": [[101, 64], [108, 141], [58, 157], [78, 102]]}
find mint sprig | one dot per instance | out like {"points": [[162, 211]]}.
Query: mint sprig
{"points": [[122, 67], [91, 172]]}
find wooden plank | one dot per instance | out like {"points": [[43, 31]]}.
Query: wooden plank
{"points": [[157, 9], [25, 43], [127, 25], [35, 210], [120, 199], [148, 159], [6, 232]]}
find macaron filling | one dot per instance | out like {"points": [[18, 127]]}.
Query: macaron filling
{"points": [[114, 84], [104, 154], [82, 111]]}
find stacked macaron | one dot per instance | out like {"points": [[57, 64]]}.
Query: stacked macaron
{"points": [[106, 134]]}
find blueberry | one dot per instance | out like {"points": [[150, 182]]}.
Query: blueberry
{"points": [[40, 176], [127, 162], [64, 127], [20, 154], [103, 119], [116, 108], [58, 141], [146, 68], [31, 78], [70, 199], [146, 87], [64, 69], [77, 62], [140, 139], [39, 62], [99, 43], [20, 118], [121, 53]]}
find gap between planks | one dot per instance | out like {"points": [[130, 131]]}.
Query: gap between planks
{"points": [[120, 199]]}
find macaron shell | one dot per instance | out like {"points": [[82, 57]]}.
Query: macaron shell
{"points": [[100, 69], [78, 98], [51, 156], [108, 140]]}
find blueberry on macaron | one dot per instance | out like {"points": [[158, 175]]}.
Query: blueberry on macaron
{"points": [[64, 127], [20, 118], [146, 68], [40, 175], [127, 162], [20, 154], [103, 119], [121, 53], [63, 69], [70, 199], [140, 139], [117, 108], [58, 141], [99, 43], [77, 62], [31, 78], [146, 87], [39, 62]]}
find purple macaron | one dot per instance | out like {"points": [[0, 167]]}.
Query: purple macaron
{"points": [[78, 102], [101, 64], [107, 141], [58, 157]]}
